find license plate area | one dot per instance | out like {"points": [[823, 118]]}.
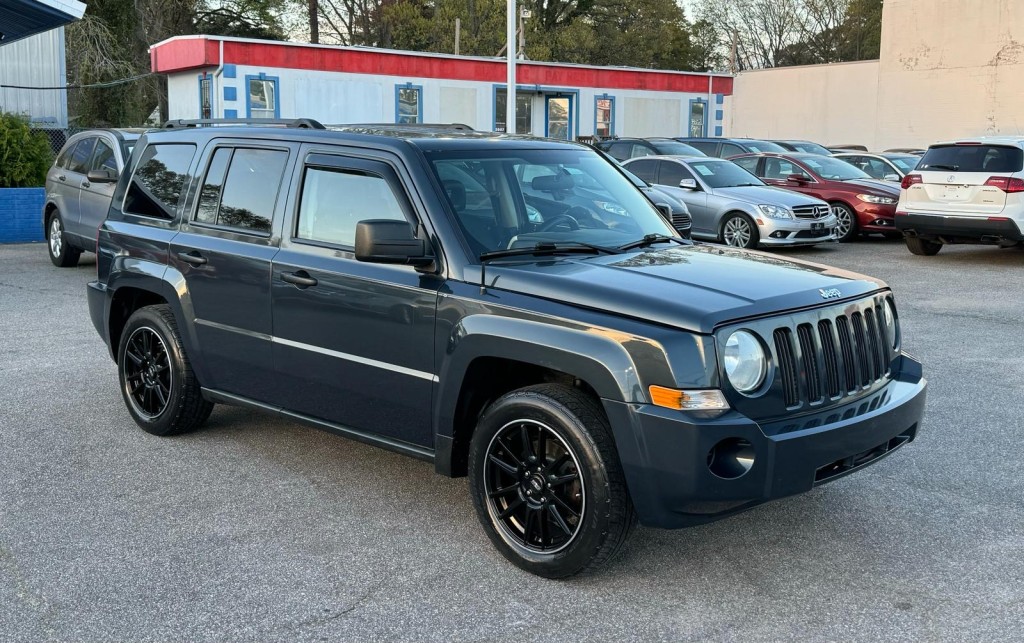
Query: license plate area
{"points": [[817, 226]]}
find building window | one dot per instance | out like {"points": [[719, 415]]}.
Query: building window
{"points": [[408, 104], [698, 118], [262, 97], [524, 112], [604, 117], [205, 96]]}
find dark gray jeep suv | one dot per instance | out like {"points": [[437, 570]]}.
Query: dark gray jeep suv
{"points": [[560, 345]]}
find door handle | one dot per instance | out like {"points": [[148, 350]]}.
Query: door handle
{"points": [[300, 279], [193, 258], [61, 177], [86, 184]]}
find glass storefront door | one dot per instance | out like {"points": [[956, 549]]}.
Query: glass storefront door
{"points": [[559, 118]]}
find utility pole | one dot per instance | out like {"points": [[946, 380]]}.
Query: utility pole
{"points": [[510, 57], [314, 21]]}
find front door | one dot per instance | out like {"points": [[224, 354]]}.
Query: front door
{"points": [[353, 341], [559, 118]]}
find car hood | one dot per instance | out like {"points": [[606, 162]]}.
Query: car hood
{"points": [[763, 194], [876, 186], [695, 287]]}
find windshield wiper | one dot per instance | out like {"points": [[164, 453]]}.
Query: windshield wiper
{"points": [[649, 240], [542, 249]]}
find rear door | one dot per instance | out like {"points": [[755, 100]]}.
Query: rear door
{"points": [[965, 179], [353, 341], [224, 251], [94, 200], [71, 182]]}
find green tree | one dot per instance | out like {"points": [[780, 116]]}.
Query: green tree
{"points": [[24, 153]]}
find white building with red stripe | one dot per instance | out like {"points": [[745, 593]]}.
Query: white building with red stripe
{"points": [[215, 77]]}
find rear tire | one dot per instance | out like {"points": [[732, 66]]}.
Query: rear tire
{"points": [[923, 247], [62, 254], [157, 383], [547, 483]]}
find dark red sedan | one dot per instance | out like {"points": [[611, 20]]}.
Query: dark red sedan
{"points": [[861, 204]]}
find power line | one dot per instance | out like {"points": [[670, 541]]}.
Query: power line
{"points": [[110, 83]]}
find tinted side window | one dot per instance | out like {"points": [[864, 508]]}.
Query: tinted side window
{"points": [[156, 187], [65, 156], [250, 189], [639, 149], [334, 201], [708, 147], [748, 163], [620, 151], [79, 161], [780, 169], [646, 170], [104, 158], [729, 149], [209, 196], [673, 173]]}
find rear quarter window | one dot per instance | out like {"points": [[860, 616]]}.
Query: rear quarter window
{"points": [[972, 158], [156, 187]]}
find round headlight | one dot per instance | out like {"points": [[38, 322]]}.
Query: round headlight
{"points": [[744, 361], [891, 328]]}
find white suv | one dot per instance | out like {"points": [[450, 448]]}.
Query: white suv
{"points": [[969, 191]]}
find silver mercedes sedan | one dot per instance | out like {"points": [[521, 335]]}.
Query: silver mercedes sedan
{"points": [[732, 206]]}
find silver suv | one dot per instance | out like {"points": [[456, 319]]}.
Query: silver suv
{"points": [[79, 187], [730, 205], [969, 191]]}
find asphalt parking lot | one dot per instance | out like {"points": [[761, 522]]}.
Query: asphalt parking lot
{"points": [[257, 529]]}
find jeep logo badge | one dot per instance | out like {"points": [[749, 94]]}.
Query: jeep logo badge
{"points": [[830, 293]]}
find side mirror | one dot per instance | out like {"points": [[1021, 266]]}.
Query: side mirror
{"points": [[891, 177], [101, 176], [688, 184], [390, 241], [799, 179]]}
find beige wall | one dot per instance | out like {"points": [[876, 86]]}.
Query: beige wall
{"points": [[829, 104], [948, 69]]}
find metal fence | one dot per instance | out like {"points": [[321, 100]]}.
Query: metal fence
{"points": [[58, 137]]}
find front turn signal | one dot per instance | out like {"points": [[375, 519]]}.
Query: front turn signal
{"points": [[688, 400]]}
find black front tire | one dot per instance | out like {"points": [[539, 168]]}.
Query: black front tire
{"points": [[923, 247], [62, 253], [578, 439], [157, 382]]}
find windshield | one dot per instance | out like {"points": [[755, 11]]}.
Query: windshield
{"points": [[811, 148], [972, 158], [676, 148], [764, 146], [906, 164], [833, 169], [723, 174], [518, 198]]}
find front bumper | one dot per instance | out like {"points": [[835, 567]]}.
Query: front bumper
{"points": [[875, 217], [791, 232], [959, 229], [665, 454]]}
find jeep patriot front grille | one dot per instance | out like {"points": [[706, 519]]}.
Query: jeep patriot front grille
{"points": [[837, 356]]}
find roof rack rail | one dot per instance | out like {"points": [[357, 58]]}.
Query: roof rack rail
{"points": [[301, 123], [457, 127]]}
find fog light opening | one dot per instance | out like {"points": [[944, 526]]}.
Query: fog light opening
{"points": [[731, 458]]}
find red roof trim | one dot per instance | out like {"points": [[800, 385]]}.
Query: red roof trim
{"points": [[189, 53]]}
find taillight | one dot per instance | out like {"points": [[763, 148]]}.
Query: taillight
{"points": [[1006, 184], [909, 180]]}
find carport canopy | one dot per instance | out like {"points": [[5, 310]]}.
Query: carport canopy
{"points": [[22, 18]]}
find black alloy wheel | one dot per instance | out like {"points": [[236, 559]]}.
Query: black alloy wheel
{"points": [[159, 388], [147, 372], [546, 480], [534, 487]]}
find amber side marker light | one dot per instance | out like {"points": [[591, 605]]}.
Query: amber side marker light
{"points": [[691, 400]]}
